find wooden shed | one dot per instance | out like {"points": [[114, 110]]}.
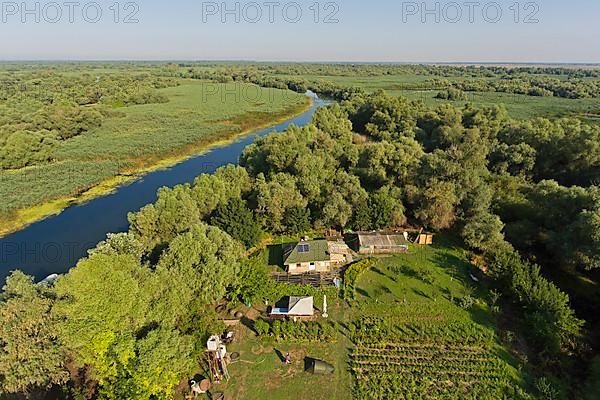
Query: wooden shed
{"points": [[425, 239]]}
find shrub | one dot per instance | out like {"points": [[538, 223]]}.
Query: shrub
{"points": [[451, 94], [276, 328], [553, 324], [261, 327], [352, 274], [303, 331], [466, 302]]}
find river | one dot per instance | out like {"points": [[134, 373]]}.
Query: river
{"points": [[55, 244]]}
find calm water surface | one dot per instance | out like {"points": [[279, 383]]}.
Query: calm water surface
{"points": [[55, 244]]}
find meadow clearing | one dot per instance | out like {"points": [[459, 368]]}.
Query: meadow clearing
{"points": [[413, 326]]}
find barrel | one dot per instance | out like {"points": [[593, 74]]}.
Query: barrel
{"points": [[204, 385], [319, 367]]}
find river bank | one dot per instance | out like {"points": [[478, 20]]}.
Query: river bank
{"points": [[55, 244], [22, 218]]}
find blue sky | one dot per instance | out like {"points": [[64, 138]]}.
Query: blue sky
{"points": [[391, 31]]}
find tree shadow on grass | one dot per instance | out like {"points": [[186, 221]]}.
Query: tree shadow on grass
{"points": [[344, 328], [483, 316], [248, 323], [459, 269], [444, 241], [454, 266], [421, 293], [363, 292], [279, 355], [384, 289], [406, 271]]}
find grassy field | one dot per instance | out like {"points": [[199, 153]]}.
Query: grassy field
{"points": [[431, 334], [431, 331], [518, 106], [261, 373], [137, 139], [197, 114]]}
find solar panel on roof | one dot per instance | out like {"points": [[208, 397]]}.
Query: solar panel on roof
{"points": [[303, 248]]}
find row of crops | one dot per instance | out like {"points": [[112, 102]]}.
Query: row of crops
{"points": [[415, 370], [427, 361], [370, 329]]}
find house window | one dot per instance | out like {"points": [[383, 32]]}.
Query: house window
{"points": [[312, 266]]}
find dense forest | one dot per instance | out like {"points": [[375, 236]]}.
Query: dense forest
{"points": [[130, 319], [40, 109], [44, 107], [522, 195]]}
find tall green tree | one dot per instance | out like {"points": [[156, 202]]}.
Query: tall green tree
{"points": [[119, 244], [437, 203], [113, 322], [205, 260], [297, 220], [210, 191], [337, 212], [333, 120], [162, 358], [484, 232], [31, 356], [386, 208], [174, 212], [103, 303], [552, 324], [23, 148], [275, 197], [386, 117], [237, 220], [361, 217]]}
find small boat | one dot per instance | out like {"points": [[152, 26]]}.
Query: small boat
{"points": [[49, 280]]}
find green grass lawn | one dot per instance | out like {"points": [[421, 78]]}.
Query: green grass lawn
{"points": [[415, 305], [426, 278], [421, 294], [261, 374]]}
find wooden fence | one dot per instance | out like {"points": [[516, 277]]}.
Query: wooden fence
{"points": [[315, 279]]}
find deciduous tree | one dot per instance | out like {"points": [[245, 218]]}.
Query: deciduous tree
{"points": [[31, 358]]}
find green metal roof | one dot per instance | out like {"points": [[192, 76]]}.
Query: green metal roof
{"points": [[317, 251]]}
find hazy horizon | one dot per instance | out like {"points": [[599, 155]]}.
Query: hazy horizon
{"points": [[284, 61], [442, 32]]}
